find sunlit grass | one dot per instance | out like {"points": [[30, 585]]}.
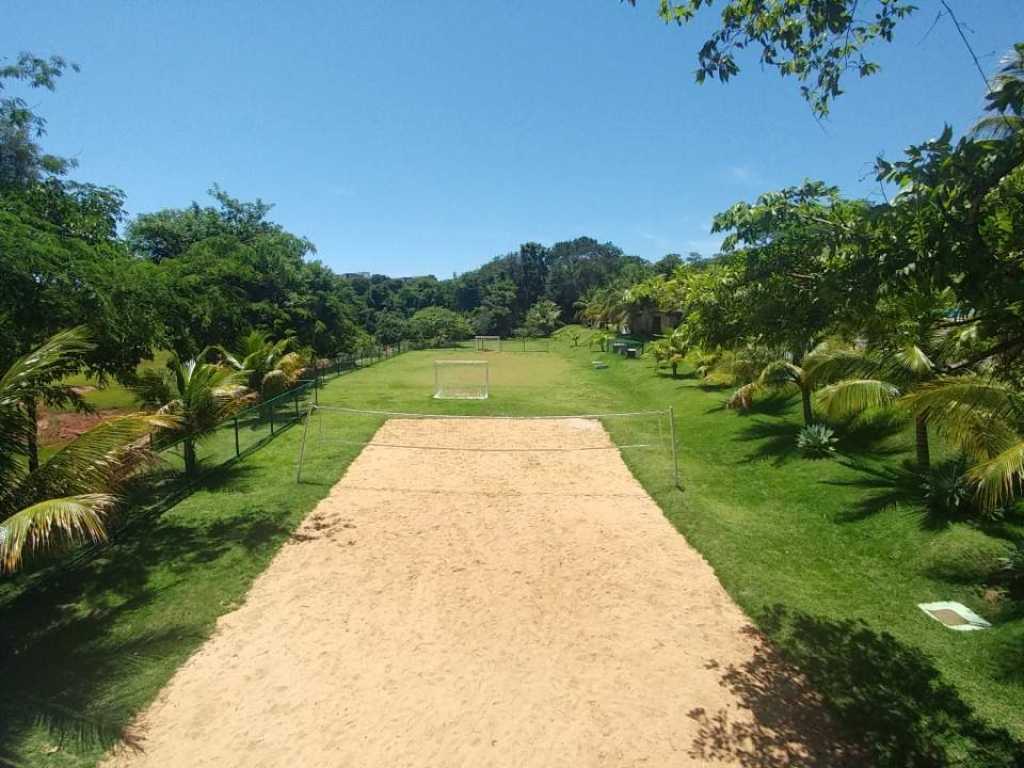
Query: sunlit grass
{"points": [[803, 546]]}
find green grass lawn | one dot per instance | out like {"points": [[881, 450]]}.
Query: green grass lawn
{"points": [[827, 557], [111, 394]]}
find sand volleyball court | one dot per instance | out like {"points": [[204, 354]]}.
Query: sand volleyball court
{"points": [[514, 607]]}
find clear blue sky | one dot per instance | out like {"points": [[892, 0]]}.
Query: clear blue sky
{"points": [[415, 137]]}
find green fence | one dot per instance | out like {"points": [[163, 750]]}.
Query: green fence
{"points": [[329, 368], [241, 433]]}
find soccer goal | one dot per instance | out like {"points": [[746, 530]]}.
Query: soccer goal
{"points": [[487, 343], [461, 379]]}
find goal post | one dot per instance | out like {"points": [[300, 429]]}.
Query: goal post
{"points": [[487, 343], [462, 379]]}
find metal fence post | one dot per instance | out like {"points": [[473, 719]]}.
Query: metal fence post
{"points": [[672, 437], [237, 452], [271, 418]]}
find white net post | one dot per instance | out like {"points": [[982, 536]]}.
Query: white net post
{"points": [[462, 379]]}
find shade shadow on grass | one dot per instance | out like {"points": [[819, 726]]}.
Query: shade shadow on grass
{"points": [[775, 440], [889, 704], [62, 647]]}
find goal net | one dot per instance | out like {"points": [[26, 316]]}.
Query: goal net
{"points": [[487, 343], [461, 379]]}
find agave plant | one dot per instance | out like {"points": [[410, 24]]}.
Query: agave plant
{"points": [[66, 499], [199, 396], [816, 441]]}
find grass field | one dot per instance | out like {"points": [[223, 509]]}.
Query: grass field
{"points": [[828, 557]]}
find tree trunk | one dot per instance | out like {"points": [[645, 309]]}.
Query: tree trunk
{"points": [[190, 457], [924, 460], [805, 397], [33, 437]]}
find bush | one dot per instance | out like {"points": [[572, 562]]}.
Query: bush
{"points": [[816, 441]]}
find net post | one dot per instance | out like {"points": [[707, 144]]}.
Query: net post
{"points": [[302, 445], [672, 438]]}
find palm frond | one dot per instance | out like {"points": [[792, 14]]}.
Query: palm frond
{"points": [[999, 478], [852, 396], [976, 414], [743, 397], [781, 373], [57, 356], [94, 459], [830, 366], [51, 524], [914, 360]]}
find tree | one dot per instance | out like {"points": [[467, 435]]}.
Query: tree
{"points": [[22, 160], [198, 396], [170, 233], [64, 500], [543, 318], [1005, 98], [391, 328], [781, 374], [266, 367], [984, 418], [668, 264], [438, 325], [816, 41], [797, 266], [865, 380], [671, 349]]}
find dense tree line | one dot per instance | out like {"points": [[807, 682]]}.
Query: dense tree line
{"points": [[914, 304]]}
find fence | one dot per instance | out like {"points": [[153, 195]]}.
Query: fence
{"points": [[237, 435], [327, 369]]}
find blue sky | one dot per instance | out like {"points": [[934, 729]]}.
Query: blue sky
{"points": [[415, 137]]}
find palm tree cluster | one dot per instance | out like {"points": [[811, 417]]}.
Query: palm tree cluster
{"points": [[67, 498]]}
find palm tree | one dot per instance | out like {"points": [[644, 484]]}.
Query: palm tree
{"points": [[1005, 98], [671, 349], [782, 374], [984, 418], [199, 396], [64, 500], [268, 367], [858, 380]]}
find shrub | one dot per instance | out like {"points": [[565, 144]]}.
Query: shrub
{"points": [[816, 441]]}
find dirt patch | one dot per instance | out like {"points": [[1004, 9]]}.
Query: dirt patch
{"points": [[56, 427], [513, 607]]}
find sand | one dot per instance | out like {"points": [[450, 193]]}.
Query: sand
{"points": [[514, 607]]}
